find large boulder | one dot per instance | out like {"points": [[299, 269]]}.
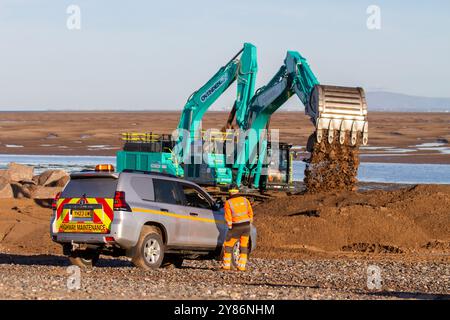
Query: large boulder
{"points": [[20, 172], [5, 174], [61, 182], [21, 191], [41, 192], [51, 177], [5, 189]]}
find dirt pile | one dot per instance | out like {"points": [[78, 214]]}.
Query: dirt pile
{"points": [[408, 220], [401, 223], [333, 166]]}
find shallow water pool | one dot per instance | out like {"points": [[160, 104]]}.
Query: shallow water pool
{"points": [[408, 173], [368, 172]]}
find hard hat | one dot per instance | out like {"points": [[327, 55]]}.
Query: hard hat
{"points": [[233, 189]]}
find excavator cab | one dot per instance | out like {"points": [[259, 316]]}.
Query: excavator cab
{"points": [[279, 170]]}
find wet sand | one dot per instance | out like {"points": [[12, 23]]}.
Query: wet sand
{"points": [[98, 133]]}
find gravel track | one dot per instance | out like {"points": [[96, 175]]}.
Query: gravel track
{"points": [[45, 277]]}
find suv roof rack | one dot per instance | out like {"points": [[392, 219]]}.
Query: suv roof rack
{"points": [[150, 172]]}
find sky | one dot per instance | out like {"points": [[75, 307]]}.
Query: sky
{"points": [[151, 55]]}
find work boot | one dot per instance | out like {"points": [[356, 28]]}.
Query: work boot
{"points": [[242, 262], [226, 262]]}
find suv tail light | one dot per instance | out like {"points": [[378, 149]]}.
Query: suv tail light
{"points": [[119, 202], [55, 200]]}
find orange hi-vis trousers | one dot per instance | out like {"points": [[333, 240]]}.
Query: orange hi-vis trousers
{"points": [[239, 232]]}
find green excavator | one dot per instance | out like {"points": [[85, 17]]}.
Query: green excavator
{"points": [[205, 157], [172, 154]]}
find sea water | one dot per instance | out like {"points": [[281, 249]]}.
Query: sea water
{"points": [[368, 172]]}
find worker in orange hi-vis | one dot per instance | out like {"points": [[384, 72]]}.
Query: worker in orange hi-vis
{"points": [[239, 216]]}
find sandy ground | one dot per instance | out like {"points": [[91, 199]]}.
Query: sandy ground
{"points": [[25, 226], [309, 247], [408, 222], [95, 133]]}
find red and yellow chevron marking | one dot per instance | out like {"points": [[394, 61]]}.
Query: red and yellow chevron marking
{"points": [[101, 220]]}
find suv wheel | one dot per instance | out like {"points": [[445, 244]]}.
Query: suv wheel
{"points": [[84, 258], [237, 251], [149, 251]]}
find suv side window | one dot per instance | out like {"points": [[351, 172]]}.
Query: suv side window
{"points": [[166, 191], [194, 198], [143, 187]]}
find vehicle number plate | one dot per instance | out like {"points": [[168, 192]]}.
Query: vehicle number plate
{"points": [[81, 213]]}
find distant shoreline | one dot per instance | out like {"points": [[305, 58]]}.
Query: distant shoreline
{"points": [[393, 137]]}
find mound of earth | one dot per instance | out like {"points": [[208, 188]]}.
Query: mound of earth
{"points": [[408, 220], [395, 223]]}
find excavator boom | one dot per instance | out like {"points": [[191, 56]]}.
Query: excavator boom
{"points": [[163, 153], [243, 70]]}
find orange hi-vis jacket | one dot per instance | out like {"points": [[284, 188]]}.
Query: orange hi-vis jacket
{"points": [[238, 210]]}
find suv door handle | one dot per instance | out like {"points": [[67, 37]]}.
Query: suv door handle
{"points": [[193, 214], [165, 210]]}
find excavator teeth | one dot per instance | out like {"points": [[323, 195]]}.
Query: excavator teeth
{"points": [[342, 137], [353, 138], [330, 136], [319, 135], [365, 134]]}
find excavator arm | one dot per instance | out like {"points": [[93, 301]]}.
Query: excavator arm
{"points": [[242, 69], [153, 152], [264, 103], [330, 108]]}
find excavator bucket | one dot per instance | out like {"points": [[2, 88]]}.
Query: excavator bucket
{"points": [[339, 110]]}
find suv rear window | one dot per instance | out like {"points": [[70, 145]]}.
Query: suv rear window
{"points": [[166, 191], [90, 188]]}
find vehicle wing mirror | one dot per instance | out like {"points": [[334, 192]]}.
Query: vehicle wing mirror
{"points": [[217, 205]]}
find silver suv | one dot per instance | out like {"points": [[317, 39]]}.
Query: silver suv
{"points": [[155, 219]]}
